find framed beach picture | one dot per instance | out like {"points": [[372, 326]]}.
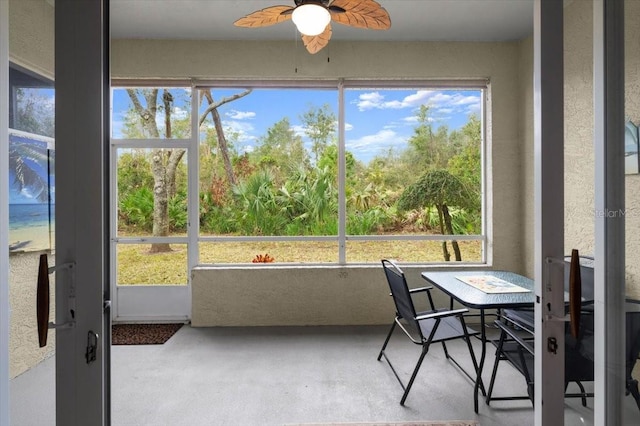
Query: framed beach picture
{"points": [[631, 159], [31, 192]]}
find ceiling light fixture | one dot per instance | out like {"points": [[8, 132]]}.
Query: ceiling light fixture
{"points": [[311, 19]]}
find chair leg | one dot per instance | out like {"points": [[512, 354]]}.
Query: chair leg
{"points": [[495, 366], [446, 352], [527, 376], [386, 341], [583, 392], [425, 349], [632, 388]]}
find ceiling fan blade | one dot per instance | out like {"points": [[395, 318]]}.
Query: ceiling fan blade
{"points": [[265, 17], [315, 43], [360, 14]]}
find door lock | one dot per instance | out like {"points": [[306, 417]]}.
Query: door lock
{"points": [[92, 347]]}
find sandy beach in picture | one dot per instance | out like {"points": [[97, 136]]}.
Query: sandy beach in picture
{"points": [[32, 238]]}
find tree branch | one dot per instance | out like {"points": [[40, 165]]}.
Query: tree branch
{"points": [[221, 102]]}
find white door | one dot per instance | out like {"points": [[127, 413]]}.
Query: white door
{"points": [[150, 204], [81, 315]]}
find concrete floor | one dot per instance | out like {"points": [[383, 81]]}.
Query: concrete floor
{"points": [[286, 375]]}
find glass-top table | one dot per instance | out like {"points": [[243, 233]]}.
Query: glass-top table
{"points": [[452, 284]]}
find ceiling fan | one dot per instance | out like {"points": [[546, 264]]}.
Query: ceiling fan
{"points": [[313, 18]]}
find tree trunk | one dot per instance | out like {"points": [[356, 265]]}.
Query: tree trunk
{"points": [[158, 168], [172, 166], [160, 202], [222, 141], [447, 222], [445, 250], [174, 156]]}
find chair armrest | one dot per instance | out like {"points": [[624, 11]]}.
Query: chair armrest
{"points": [[441, 314], [416, 290], [521, 341]]}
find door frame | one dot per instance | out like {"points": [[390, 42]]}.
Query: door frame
{"points": [[82, 128], [610, 245], [4, 213], [149, 303]]}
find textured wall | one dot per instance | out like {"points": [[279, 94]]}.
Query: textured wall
{"points": [[24, 351], [526, 137], [31, 35], [495, 61], [632, 182], [579, 154], [297, 296], [579, 150]]}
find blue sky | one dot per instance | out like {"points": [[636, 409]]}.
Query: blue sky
{"points": [[376, 119]]}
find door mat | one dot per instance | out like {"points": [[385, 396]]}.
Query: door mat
{"points": [[430, 423], [142, 334]]}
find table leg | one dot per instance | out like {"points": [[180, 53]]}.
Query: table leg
{"points": [[479, 384]]}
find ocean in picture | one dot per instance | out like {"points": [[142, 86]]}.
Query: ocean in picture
{"points": [[31, 191], [30, 228]]}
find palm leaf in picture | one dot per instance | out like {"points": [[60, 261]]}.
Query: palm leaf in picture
{"points": [[28, 162]]}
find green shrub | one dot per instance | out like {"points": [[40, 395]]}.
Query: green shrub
{"points": [[178, 216], [136, 209]]}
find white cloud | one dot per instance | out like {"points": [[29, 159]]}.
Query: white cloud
{"points": [[440, 103], [242, 131], [413, 119], [299, 130], [348, 127], [368, 146], [240, 115], [246, 148], [375, 100]]}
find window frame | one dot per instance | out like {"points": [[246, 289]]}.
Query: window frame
{"points": [[342, 238], [340, 85]]}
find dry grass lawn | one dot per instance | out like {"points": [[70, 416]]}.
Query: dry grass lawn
{"points": [[136, 266]]}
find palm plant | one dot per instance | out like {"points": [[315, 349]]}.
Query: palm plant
{"points": [[440, 189], [260, 212]]}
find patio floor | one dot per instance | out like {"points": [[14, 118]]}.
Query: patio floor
{"points": [[287, 375]]}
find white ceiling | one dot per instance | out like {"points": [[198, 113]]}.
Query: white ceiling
{"points": [[411, 20]]}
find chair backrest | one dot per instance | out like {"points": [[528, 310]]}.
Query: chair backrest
{"points": [[400, 293]]}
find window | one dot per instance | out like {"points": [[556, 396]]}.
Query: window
{"points": [[330, 173]]}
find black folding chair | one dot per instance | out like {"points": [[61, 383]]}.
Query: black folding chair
{"points": [[517, 329], [423, 328], [516, 346]]}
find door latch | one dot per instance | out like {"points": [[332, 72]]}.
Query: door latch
{"points": [[552, 345], [92, 347]]}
